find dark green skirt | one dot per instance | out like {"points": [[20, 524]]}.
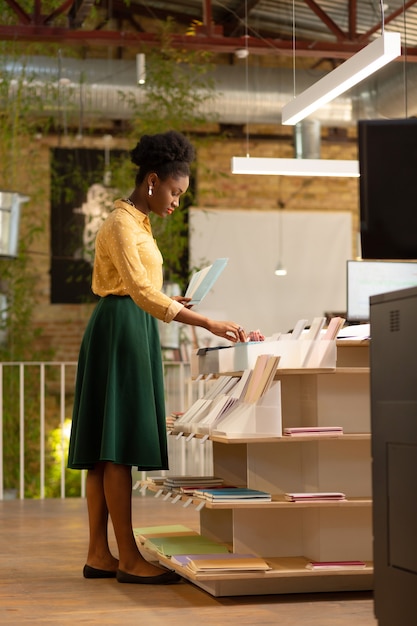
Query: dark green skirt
{"points": [[119, 404]]}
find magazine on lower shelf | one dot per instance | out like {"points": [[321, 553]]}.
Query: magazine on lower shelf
{"points": [[313, 430], [174, 530], [185, 544], [317, 496], [223, 562], [331, 565]]}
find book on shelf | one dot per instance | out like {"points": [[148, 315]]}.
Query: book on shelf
{"points": [[156, 480], [225, 406], [219, 410], [312, 430], [234, 494], [171, 482], [191, 489], [261, 377], [174, 530], [332, 330], [210, 403], [221, 386], [239, 390], [315, 329], [331, 565], [238, 565], [185, 544], [223, 562], [312, 335], [298, 329], [201, 282], [319, 496]]}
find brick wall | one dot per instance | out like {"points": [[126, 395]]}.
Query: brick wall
{"points": [[63, 325]]}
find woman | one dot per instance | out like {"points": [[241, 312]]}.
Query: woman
{"points": [[119, 408]]}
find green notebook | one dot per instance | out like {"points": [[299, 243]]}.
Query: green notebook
{"points": [[146, 532], [186, 544]]}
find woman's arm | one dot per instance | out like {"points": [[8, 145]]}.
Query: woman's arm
{"points": [[228, 330]]}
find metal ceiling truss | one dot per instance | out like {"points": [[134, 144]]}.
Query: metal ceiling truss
{"points": [[225, 35]]}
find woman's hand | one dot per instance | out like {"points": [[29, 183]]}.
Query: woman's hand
{"points": [[182, 300], [227, 330], [256, 335]]}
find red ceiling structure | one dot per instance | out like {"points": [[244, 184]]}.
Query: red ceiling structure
{"points": [[332, 29]]}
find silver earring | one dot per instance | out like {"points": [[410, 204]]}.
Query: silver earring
{"points": [[150, 191]]}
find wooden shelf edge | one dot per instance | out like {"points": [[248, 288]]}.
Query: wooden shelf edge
{"points": [[271, 439], [296, 371], [283, 504], [282, 567], [278, 501]]}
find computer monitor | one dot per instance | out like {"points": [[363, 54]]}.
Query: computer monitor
{"points": [[368, 278], [387, 152]]}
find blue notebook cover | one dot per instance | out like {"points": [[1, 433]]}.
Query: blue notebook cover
{"points": [[234, 492], [201, 282]]}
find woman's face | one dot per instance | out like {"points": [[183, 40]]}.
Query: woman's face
{"points": [[166, 194]]}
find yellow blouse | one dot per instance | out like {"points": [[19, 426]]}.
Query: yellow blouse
{"points": [[128, 262]]}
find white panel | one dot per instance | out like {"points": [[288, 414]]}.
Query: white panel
{"points": [[267, 534], [345, 401], [314, 249], [338, 534]]}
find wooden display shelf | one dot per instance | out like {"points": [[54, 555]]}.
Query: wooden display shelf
{"points": [[288, 575], [293, 371], [278, 501], [324, 530], [284, 439]]}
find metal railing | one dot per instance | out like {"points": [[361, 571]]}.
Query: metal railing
{"points": [[35, 412]]}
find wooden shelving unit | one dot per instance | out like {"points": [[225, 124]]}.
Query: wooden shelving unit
{"points": [[290, 534]]}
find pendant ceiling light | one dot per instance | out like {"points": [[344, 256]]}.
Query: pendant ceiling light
{"points": [[141, 68], [295, 167], [367, 61]]}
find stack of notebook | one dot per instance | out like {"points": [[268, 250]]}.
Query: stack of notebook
{"points": [[318, 496], [190, 483], [313, 430], [233, 494], [333, 565], [223, 562]]}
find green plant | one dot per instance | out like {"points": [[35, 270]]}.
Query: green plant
{"points": [[19, 277], [58, 442], [178, 84]]}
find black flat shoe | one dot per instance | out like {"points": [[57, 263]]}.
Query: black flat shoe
{"points": [[93, 572], [166, 578]]}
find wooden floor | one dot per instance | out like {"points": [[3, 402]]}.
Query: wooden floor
{"points": [[42, 552]]}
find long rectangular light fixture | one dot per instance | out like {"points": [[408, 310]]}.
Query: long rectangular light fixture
{"points": [[364, 63], [295, 167]]}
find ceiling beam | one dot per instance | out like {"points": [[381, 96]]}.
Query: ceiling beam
{"points": [[22, 16], [37, 17], [237, 22], [36, 27], [215, 44], [387, 19], [327, 20], [352, 19]]}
